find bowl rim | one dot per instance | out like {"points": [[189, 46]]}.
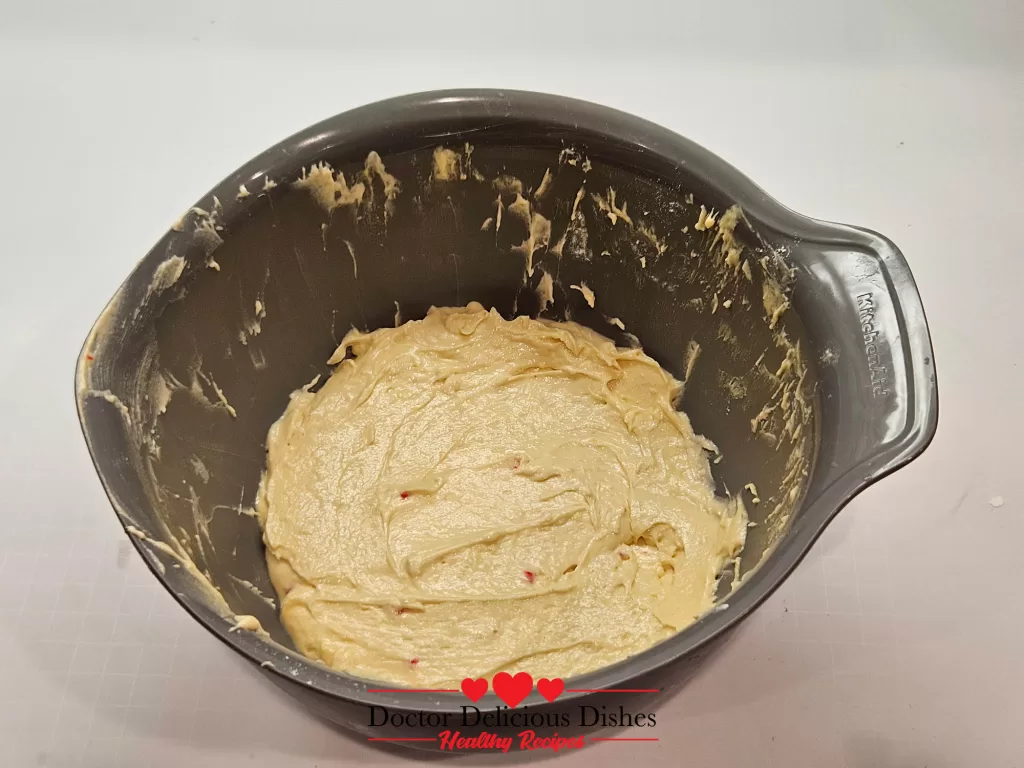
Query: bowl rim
{"points": [[463, 108]]}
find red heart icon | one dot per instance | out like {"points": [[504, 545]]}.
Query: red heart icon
{"points": [[550, 689], [512, 690], [474, 689]]}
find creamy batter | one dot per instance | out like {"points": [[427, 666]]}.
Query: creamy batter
{"points": [[467, 494]]}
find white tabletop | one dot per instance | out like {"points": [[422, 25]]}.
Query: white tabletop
{"points": [[896, 643]]}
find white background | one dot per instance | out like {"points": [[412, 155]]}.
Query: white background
{"points": [[897, 643]]}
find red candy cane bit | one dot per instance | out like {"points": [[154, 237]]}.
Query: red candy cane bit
{"points": [[414, 661], [89, 357], [404, 494], [529, 576]]}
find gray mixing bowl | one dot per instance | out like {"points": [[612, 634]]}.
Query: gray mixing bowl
{"points": [[814, 375]]}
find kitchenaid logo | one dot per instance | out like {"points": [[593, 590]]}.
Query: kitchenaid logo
{"points": [[514, 728], [872, 343]]}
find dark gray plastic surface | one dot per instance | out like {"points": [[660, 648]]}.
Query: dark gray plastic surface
{"points": [[856, 313]]}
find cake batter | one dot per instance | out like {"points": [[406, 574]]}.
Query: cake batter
{"points": [[467, 494]]}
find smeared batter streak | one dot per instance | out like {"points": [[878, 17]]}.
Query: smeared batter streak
{"points": [[468, 494]]}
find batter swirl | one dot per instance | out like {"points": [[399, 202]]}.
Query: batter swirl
{"points": [[467, 494]]}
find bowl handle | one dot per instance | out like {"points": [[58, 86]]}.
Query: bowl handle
{"points": [[876, 372]]}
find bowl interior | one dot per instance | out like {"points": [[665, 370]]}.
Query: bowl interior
{"points": [[246, 298]]}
